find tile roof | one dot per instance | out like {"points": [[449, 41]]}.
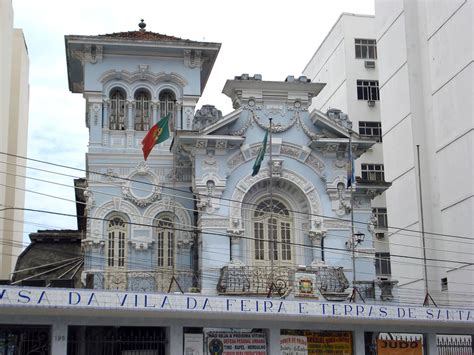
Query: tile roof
{"points": [[143, 35]]}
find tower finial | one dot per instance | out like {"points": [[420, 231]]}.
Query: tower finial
{"points": [[142, 25]]}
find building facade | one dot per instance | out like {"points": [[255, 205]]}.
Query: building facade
{"points": [[347, 62], [196, 250], [14, 100], [425, 77]]}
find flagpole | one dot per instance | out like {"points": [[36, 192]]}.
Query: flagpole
{"points": [[425, 267], [272, 241], [352, 212]]}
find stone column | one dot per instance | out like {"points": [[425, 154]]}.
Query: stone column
{"points": [[359, 341], [273, 340], [105, 109], [154, 113], [316, 237], [179, 122], [430, 343], [130, 117], [235, 252], [174, 334], [59, 339]]}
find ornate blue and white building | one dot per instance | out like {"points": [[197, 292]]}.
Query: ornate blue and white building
{"points": [[192, 217]]}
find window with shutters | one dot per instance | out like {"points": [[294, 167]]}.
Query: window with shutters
{"points": [[165, 242], [167, 103], [272, 223], [117, 110], [116, 243], [142, 110]]}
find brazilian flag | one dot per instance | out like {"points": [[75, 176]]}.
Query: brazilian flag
{"points": [[260, 156]]}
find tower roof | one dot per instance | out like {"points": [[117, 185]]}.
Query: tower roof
{"points": [[142, 35]]}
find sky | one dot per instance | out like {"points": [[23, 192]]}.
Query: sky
{"points": [[272, 38]]}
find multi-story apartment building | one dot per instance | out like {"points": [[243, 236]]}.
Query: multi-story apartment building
{"points": [[14, 99], [347, 62], [425, 71]]}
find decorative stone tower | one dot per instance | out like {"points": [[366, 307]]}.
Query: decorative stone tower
{"points": [[140, 214]]}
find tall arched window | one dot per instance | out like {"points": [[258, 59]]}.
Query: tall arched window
{"points": [[167, 103], [116, 242], [272, 224], [142, 111], [117, 110], [165, 242]]}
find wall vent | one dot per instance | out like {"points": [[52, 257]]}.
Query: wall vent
{"points": [[369, 64]]}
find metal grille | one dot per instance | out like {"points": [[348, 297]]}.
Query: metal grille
{"points": [[448, 345], [24, 340], [248, 280], [116, 341]]}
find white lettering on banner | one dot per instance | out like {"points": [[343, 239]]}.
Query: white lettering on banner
{"points": [[95, 299]]}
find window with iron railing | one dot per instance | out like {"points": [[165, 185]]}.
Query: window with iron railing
{"points": [[167, 104], [368, 90], [365, 48], [373, 172], [117, 110], [142, 111], [371, 129], [381, 216]]}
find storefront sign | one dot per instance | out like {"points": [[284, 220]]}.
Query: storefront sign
{"points": [[236, 343], [33, 297], [293, 345], [193, 344], [399, 347], [328, 343]]}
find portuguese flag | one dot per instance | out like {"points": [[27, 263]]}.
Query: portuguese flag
{"points": [[157, 134], [260, 156]]}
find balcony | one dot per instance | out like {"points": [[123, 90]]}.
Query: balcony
{"points": [[142, 280], [309, 282]]}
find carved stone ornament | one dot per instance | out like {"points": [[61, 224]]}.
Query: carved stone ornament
{"points": [[192, 58], [317, 235], [143, 74], [277, 167], [205, 117], [141, 188]]}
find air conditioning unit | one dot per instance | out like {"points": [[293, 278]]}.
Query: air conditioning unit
{"points": [[381, 278], [371, 103], [369, 64], [380, 235]]}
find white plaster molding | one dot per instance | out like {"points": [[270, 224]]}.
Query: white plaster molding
{"points": [[143, 171], [305, 185], [169, 206]]}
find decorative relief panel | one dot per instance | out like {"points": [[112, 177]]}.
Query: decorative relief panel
{"points": [[142, 186]]}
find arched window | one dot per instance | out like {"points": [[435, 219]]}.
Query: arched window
{"points": [[272, 224], [165, 242], [167, 103], [116, 242], [142, 111], [117, 110]]}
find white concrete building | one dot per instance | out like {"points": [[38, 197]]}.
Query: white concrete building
{"points": [[425, 71], [14, 98], [347, 62]]}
